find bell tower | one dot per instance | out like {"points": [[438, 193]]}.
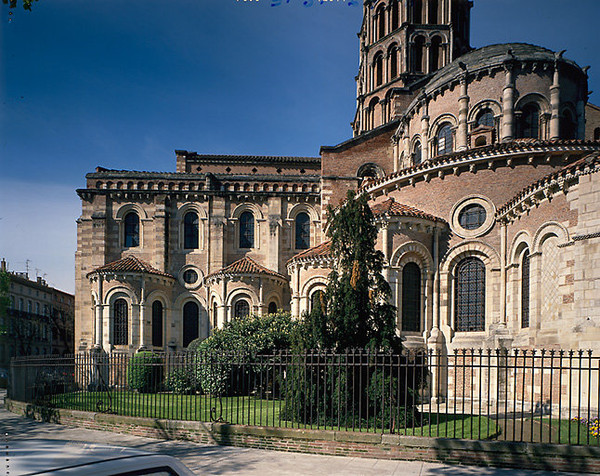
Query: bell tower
{"points": [[402, 44]]}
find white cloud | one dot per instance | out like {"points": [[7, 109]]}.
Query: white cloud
{"points": [[37, 223]]}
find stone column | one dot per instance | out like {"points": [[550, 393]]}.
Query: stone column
{"points": [[99, 309], [261, 298], [503, 238], [425, 131], [222, 309], [508, 104], [142, 343], [555, 104], [463, 110]]}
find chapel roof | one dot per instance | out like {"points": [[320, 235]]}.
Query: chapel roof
{"points": [[129, 264], [492, 55], [246, 266], [322, 250], [391, 207]]}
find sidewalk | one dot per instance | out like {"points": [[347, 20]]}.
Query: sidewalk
{"points": [[226, 460]]}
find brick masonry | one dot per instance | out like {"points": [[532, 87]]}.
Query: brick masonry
{"points": [[326, 442]]}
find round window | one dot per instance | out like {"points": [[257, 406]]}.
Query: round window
{"points": [[190, 276], [472, 217]]}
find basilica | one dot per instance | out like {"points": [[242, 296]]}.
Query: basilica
{"points": [[481, 167]]}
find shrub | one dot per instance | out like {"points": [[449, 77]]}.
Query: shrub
{"points": [[182, 381], [144, 372], [222, 355]]}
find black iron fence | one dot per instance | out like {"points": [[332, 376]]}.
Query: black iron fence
{"points": [[518, 395]]}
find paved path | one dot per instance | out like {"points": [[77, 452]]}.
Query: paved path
{"points": [[226, 460]]}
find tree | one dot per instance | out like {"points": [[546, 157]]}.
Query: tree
{"points": [[4, 300], [356, 311], [13, 3]]}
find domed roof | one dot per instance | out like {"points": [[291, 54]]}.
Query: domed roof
{"points": [[492, 55]]}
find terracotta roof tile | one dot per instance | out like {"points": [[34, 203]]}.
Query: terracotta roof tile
{"points": [[129, 264], [393, 208], [246, 266], [322, 250]]}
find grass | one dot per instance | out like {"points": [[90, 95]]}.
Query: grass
{"points": [[571, 432], [247, 410]]}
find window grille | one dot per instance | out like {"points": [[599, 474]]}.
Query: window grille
{"points": [[411, 297], [132, 230], [190, 231], [485, 118], [530, 122], [157, 324], [190, 323], [121, 323], [525, 290], [242, 308], [469, 299], [472, 217], [302, 231], [444, 139], [246, 230]]}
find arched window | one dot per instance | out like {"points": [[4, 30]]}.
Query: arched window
{"points": [[120, 322], [469, 297], [433, 12], [190, 322], [435, 54], [317, 300], [37, 307], [411, 297], [29, 307], [444, 139], [215, 314], [418, 12], [597, 133], [246, 230], [394, 14], [485, 118], [380, 16], [241, 308], [418, 153], [21, 304], [568, 126], [378, 65], [393, 55], [525, 290], [418, 54], [272, 307], [190, 231], [131, 236], [302, 231], [530, 122], [157, 324]]}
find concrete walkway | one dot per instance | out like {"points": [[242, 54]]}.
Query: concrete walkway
{"points": [[226, 460]]}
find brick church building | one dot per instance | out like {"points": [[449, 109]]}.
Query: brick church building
{"points": [[481, 167]]}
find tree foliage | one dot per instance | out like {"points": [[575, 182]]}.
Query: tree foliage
{"points": [[13, 3], [4, 299], [356, 311]]}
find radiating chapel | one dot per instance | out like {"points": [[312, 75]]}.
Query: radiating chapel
{"points": [[482, 169]]}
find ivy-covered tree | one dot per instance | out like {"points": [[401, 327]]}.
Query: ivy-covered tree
{"points": [[356, 311]]}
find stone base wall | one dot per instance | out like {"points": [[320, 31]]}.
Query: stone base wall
{"points": [[367, 445]]}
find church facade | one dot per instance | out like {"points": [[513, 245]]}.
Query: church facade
{"points": [[481, 167]]}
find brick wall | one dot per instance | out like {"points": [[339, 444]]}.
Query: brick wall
{"points": [[339, 443]]}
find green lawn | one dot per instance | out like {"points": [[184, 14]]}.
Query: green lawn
{"points": [[254, 411], [571, 432]]}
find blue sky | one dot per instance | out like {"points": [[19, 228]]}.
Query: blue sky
{"points": [[123, 84]]}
